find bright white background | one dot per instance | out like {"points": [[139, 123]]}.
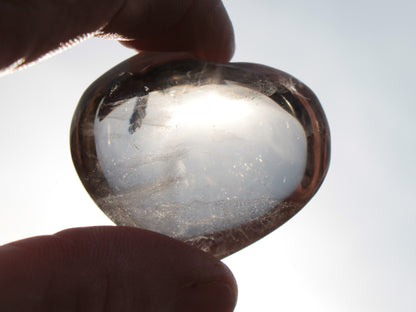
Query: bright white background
{"points": [[352, 248]]}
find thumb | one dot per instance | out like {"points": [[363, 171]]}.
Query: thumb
{"points": [[112, 269]]}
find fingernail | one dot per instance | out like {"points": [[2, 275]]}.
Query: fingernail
{"points": [[206, 297]]}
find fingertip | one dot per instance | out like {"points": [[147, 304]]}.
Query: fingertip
{"points": [[205, 31], [173, 271], [215, 33]]}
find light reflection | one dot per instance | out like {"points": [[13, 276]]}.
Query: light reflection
{"points": [[209, 106]]}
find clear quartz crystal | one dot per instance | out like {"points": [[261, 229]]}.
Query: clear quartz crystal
{"points": [[217, 155]]}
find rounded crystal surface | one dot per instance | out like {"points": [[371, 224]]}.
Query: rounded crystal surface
{"points": [[217, 155]]}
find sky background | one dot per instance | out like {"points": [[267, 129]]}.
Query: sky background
{"points": [[352, 248]]}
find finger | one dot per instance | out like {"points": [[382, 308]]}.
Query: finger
{"points": [[31, 28], [204, 29], [111, 269]]}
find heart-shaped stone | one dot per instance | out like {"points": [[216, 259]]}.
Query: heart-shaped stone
{"points": [[216, 155]]}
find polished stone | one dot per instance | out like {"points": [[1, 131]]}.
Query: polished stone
{"points": [[217, 155]]}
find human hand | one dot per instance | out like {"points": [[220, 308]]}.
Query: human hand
{"points": [[113, 268]]}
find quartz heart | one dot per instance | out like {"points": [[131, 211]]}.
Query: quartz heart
{"points": [[216, 155]]}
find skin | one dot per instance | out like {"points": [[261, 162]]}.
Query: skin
{"points": [[31, 28], [113, 268]]}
